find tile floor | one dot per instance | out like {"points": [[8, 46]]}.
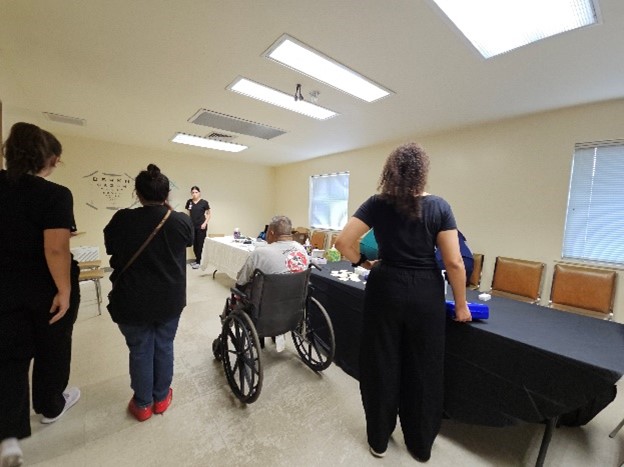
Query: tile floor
{"points": [[300, 418]]}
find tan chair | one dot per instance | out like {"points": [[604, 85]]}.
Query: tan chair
{"points": [[474, 281], [318, 239], [94, 275], [95, 264], [518, 279], [333, 238], [299, 237], [583, 290]]}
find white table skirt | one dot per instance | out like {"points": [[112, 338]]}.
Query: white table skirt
{"points": [[225, 255]]}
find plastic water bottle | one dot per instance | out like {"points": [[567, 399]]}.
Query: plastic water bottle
{"points": [[307, 246], [236, 233]]}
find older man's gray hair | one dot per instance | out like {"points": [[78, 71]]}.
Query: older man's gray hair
{"points": [[281, 225]]}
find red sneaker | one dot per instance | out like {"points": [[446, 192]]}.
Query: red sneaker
{"points": [[161, 406], [140, 413]]}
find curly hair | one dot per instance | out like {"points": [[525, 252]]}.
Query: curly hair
{"points": [[403, 179], [152, 185], [27, 150]]}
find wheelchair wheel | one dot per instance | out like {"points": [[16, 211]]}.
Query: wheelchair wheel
{"points": [[240, 353], [314, 337]]}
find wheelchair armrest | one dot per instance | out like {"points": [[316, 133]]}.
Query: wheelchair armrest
{"points": [[238, 292], [313, 265]]}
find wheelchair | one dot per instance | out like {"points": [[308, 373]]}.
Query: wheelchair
{"points": [[271, 305]]}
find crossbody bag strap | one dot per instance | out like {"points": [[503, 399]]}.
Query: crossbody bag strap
{"points": [[145, 243]]}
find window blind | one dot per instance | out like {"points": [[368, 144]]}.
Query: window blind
{"points": [[594, 227], [329, 199]]}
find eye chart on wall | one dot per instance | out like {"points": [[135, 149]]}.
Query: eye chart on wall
{"points": [[112, 191]]}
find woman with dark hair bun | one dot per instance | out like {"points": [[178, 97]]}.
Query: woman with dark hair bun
{"points": [[402, 353], [39, 292], [149, 290]]}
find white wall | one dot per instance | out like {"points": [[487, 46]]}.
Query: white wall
{"points": [[506, 181], [240, 195]]}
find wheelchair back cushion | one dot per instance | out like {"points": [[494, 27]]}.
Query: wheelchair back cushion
{"points": [[278, 302]]}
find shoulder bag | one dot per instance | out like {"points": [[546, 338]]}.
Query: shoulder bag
{"points": [[138, 252]]}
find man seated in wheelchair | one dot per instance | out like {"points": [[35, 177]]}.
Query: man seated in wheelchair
{"points": [[280, 255]]}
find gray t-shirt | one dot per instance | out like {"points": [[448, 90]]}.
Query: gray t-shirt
{"points": [[274, 258]]}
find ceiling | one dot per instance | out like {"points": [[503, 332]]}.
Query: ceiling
{"points": [[138, 70]]}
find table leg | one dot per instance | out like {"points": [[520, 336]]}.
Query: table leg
{"points": [[551, 423], [616, 429]]}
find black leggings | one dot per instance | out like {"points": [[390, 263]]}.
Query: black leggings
{"points": [[24, 334], [198, 243], [402, 356]]}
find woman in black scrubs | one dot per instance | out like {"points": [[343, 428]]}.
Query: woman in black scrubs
{"points": [[39, 292]]}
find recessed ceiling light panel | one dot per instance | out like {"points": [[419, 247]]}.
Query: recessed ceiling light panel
{"points": [[496, 27], [198, 141], [273, 96], [304, 59]]}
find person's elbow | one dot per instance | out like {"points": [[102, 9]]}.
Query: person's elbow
{"points": [[454, 264], [55, 250]]}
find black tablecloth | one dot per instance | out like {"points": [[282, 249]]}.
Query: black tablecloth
{"points": [[526, 362]]}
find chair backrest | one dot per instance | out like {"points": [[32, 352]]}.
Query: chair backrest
{"points": [[318, 239], [474, 281], [301, 234], [584, 290], [299, 237], [518, 279], [279, 301]]}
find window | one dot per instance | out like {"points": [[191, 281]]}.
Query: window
{"points": [[594, 228], [329, 198]]}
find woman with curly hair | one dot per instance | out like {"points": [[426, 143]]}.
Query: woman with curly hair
{"points": [[402, 353], [149, 290], [39, 292]]}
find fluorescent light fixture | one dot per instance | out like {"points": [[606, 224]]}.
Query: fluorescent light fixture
{"points": [[272, 96], [191, 140], [304, 59], [495, 26]]}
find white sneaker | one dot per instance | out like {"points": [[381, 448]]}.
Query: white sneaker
{"points": [[379, 455], [10, 453], [71, 397], [280, 343], [195, 265]]}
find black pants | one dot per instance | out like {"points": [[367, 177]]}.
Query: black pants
{"points": [[198, 243], [402, 356], [24, 334]]}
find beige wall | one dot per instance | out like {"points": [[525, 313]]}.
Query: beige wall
{"points": [[240, 195], [507, 182]]}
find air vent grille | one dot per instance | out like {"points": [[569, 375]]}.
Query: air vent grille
{"points": [[65, 119], [220, 136], [236, 125]]}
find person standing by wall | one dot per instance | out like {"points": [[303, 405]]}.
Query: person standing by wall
{"points": [[149, 290], [39, 291], [403, 336], [199, 210]]}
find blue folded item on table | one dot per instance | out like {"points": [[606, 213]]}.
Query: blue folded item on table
{"points": [[477, 310]]}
